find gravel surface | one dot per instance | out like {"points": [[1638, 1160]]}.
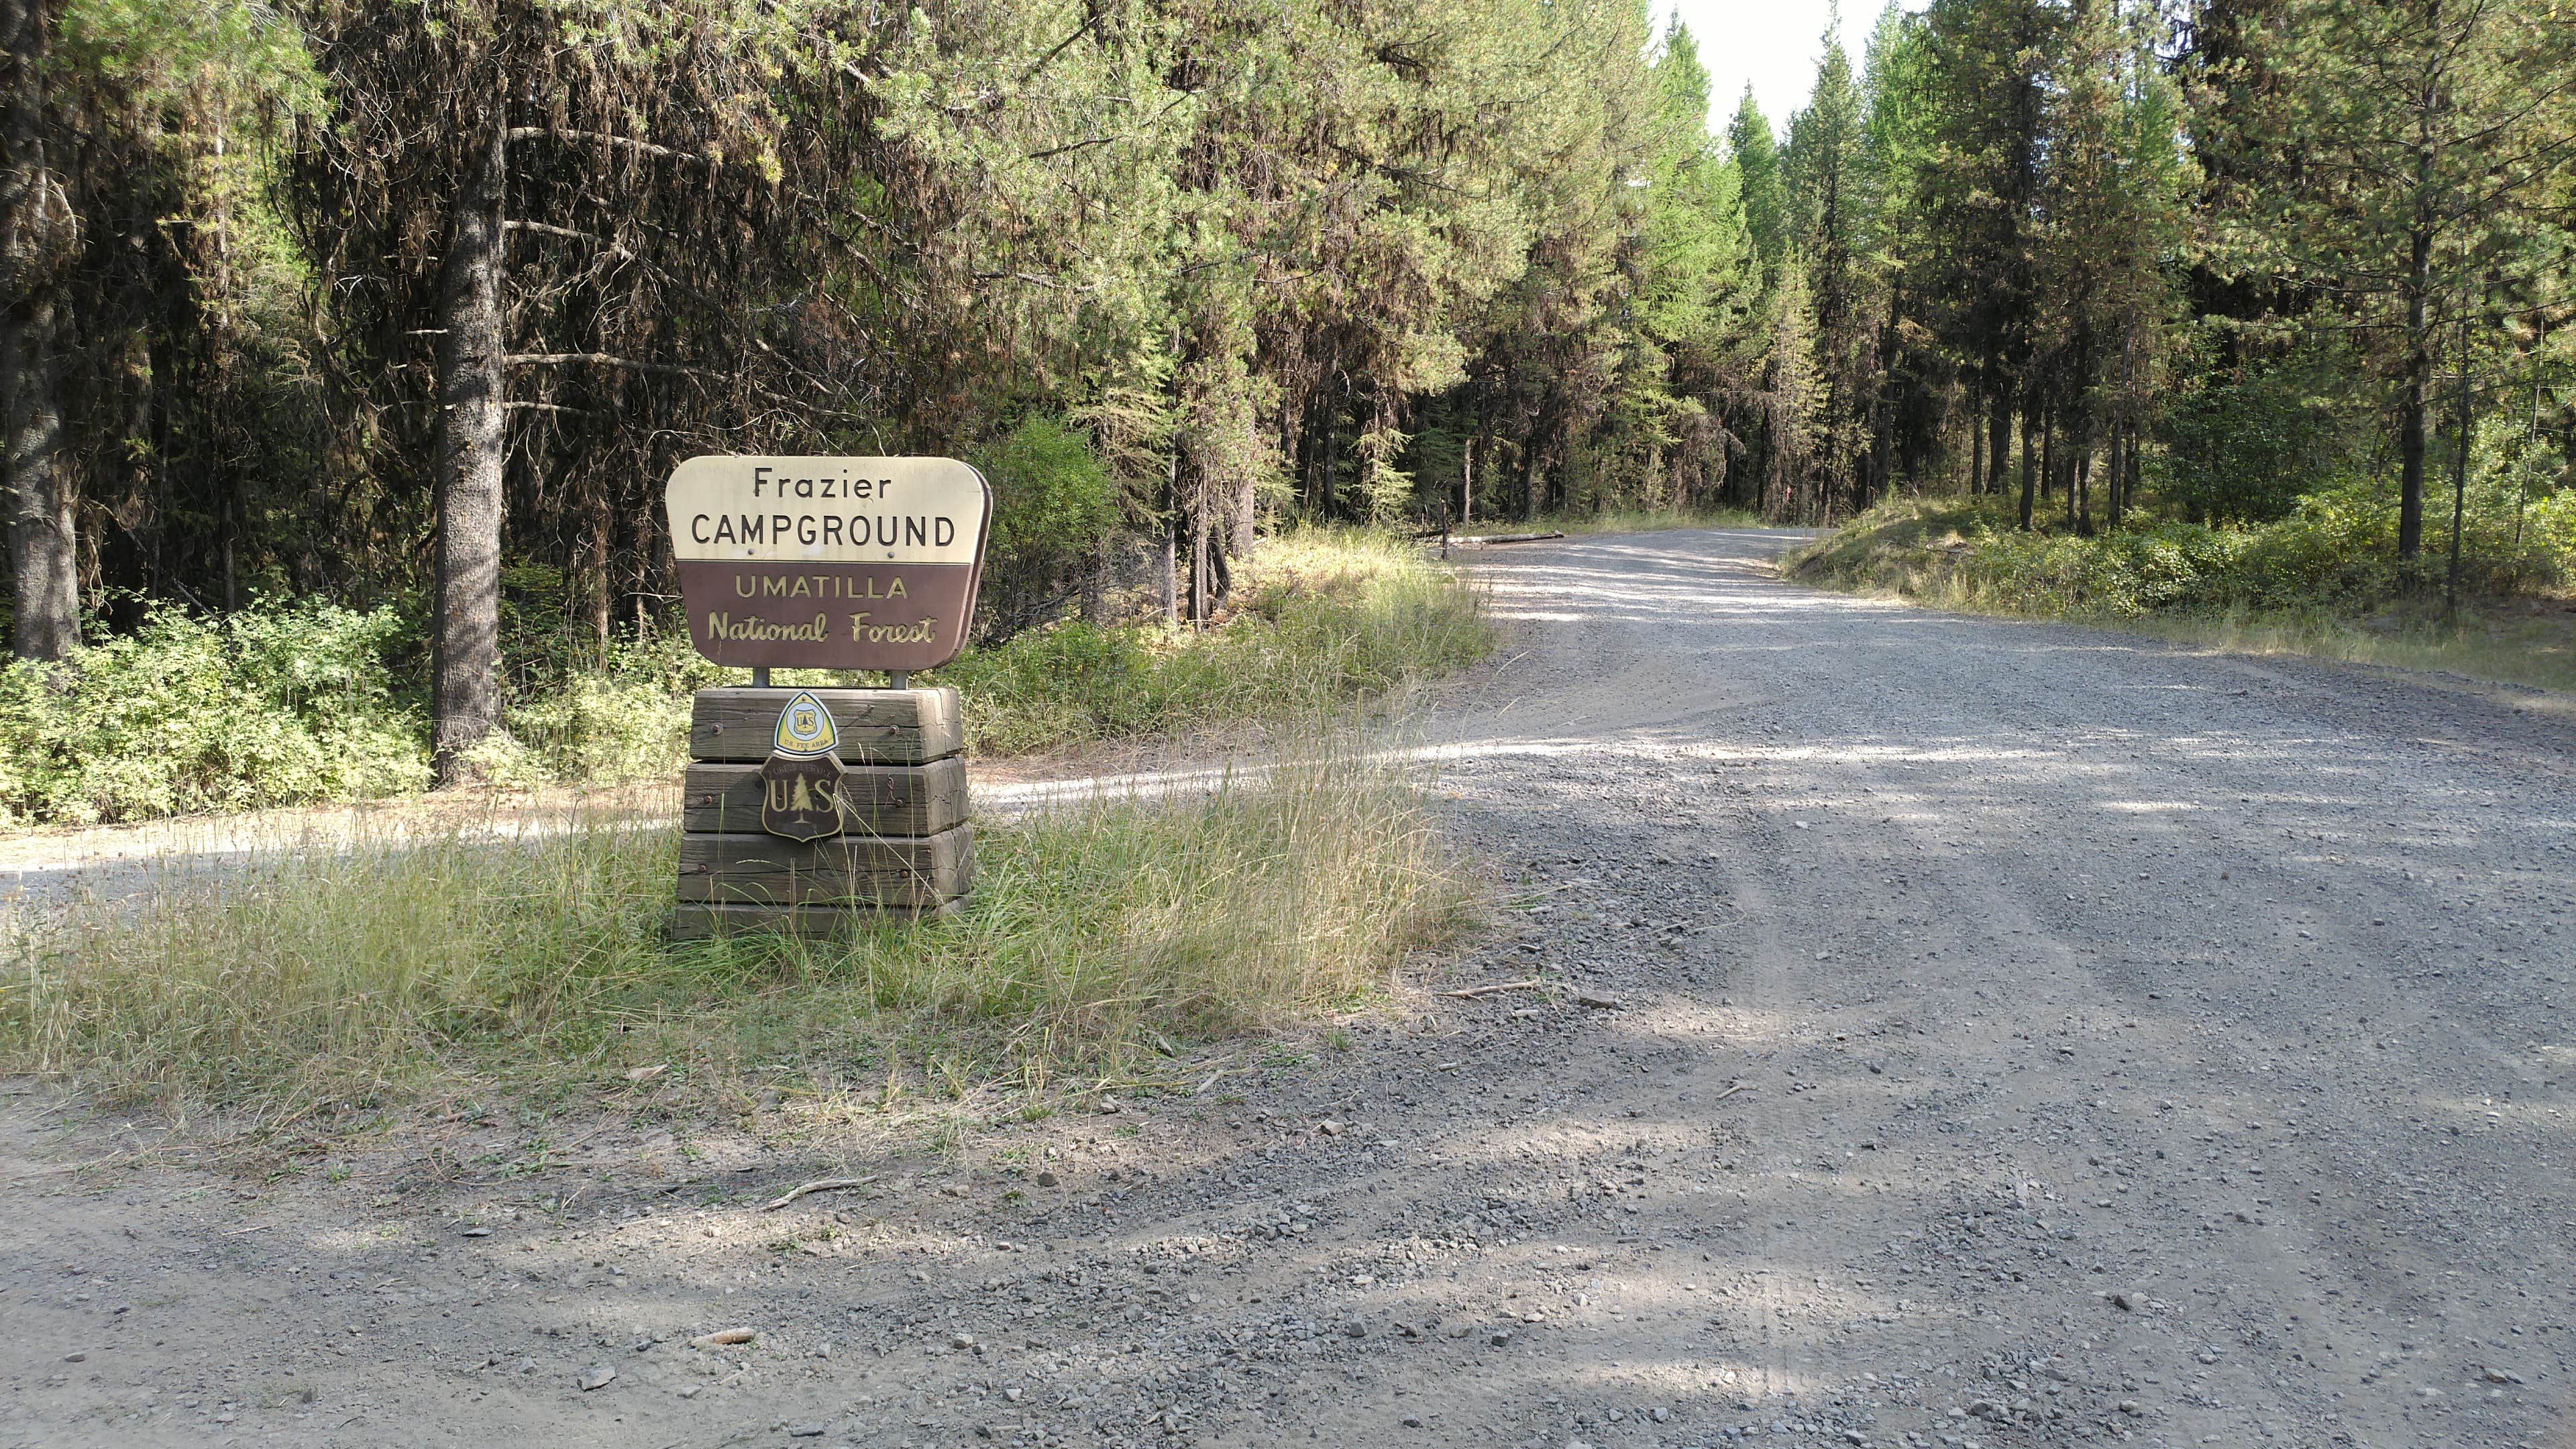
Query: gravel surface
{"points": [[2003, 1035]]}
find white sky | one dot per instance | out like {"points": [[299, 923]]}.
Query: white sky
{"points": [[1773, 43]]}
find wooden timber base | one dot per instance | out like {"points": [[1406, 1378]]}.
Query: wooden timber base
{"points": [[906, 851], [892, 870], [884, 799]]}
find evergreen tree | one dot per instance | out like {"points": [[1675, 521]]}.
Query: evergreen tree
{"points": [[1833, 201], [2391, 157], [1766, 202]]}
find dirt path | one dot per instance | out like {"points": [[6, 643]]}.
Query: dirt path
{"points": [[2026, 1035]]}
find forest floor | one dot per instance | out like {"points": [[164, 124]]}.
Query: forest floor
{"points": [[2000, 1034]]}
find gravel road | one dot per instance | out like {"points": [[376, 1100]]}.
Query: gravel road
{"points": [[2020, 1035]]}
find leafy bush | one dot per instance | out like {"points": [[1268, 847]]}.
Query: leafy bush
{"points": [[597, 717], [2246, 452], [285, 704], [272, 706], [1054, 501]]}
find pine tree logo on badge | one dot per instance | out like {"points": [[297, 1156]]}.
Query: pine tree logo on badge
{"points": [[800, 794]]}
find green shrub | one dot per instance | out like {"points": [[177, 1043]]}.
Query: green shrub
{"points": [[286, 704], [274, 705], [2247, 452], [1054, 502], [622, 714]]}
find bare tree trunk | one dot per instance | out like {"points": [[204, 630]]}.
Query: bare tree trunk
{"points": [[2129, 473], [1171, 534], [2113, 483], [2419, 375], [597, 567], [646, 569], [1242, 518], [2028, 462], [1329, 449], [1976, 456], [2080, 488], [35, 238], [1999, 435], [1199, 525], [2047, 453], [43, 551], [465, 700]]}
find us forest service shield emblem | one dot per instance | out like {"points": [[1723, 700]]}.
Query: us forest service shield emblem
{"points": [[800, 794]]}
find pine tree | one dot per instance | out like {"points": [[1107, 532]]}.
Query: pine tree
{"points": [[1974, 199], [1833, 216], [2388, 157], [1766, 202]]}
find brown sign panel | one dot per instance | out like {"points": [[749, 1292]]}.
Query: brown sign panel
{"points": [[829, 563]]}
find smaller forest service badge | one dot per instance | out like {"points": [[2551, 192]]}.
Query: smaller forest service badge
{"points": [[800, 794]]}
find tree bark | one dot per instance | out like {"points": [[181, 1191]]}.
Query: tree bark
{"points": [[35, 242], [1171, 538], [1999, 439], [1199, 527], [2080, 489], [2114, 484], [1976, 456], [2419, 374], [2029, 462], [465, 701], [597, 567], [1243, 516]]}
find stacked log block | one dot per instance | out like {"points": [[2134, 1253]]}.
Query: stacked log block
{"points": [[906, 847]]}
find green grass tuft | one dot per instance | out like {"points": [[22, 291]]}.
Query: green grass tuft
{"points": [[312, 982]]}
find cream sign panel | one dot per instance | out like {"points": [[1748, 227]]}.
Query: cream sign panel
{"points": [[829, 563], [845, 510]]}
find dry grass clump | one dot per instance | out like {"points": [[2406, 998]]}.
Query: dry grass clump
{"points": [[301, 981], [1320, 619]]}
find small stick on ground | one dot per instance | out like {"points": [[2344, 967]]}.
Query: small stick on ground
{"points": [[1729, 1092], [825, 1184], [1532, 984]]}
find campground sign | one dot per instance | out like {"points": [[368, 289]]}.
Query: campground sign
{"points": [[829, 563]]}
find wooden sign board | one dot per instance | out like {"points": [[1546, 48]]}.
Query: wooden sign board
{"points": [[890, 838], [829, 563]]}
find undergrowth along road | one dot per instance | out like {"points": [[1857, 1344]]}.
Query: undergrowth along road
{"points": [[2322, 583], [2022, 1034]]}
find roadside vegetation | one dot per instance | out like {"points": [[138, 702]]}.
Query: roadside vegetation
{"points": [[2323, 578], [311, 984], [311, 702], [1327, 616]]}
